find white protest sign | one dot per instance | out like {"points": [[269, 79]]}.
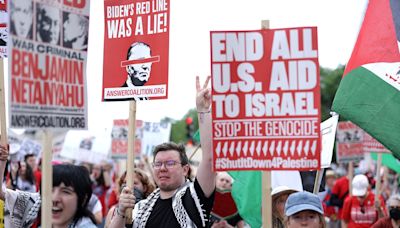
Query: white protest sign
{"points": [[328, 132]]}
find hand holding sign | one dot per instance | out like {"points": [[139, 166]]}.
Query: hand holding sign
{"points": [[203, 97], [3, 153]]}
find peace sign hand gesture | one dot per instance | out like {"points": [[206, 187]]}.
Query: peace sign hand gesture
{"points": [[203, 98]]}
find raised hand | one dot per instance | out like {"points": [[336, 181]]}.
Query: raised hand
{"points": [[203, 97]]}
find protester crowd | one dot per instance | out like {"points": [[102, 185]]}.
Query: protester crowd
{"points": [[105, 197], [167, 194]]}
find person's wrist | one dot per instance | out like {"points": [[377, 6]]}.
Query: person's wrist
{"points": [[121, 213], [204, 111]]}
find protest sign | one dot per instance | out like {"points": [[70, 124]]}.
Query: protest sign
{"points": [[154, 133], [85, 146], [136, 47], [349, 142], [47, 68], [266, 99], [328, 134], [148, 136], [119, 138], [352, 142], [372, 145], [29, 146]]}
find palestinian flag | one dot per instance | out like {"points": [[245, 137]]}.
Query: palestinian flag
{"points": [[369, 93]]}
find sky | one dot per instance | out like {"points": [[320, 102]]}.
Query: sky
{"points": [[338, 23]]}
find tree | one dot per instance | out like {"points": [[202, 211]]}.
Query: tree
{"points": [[330, 80]]}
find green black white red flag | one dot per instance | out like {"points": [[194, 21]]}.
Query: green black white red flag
{"points": [[369, 93]]}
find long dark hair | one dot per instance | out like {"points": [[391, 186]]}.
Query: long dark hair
{"points": [[78, 178], [29, 176]]}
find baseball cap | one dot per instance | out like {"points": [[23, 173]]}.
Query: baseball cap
{"points": [[330, 173], [360, 185], [302, 201], [280, 190]]}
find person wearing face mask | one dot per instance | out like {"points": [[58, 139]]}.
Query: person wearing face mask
{"points": [[142, 188], [393, 220]]}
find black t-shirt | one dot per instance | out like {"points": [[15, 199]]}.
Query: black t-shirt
{"points": [[163, 215]]}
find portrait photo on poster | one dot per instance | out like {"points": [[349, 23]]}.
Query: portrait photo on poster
{"points": [[3, 42], [138, 64], [76, 31], [48, 24], [21, 18]]}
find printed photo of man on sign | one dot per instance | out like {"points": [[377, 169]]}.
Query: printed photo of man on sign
{"points": [[47, 79], [136, 47], [138, 64]]}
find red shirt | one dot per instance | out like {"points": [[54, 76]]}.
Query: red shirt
{"points": [[359, 216], [38, 179], [341, 189], [113, 200], [329, 211]]}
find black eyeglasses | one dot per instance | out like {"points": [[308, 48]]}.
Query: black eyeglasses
{"points": [[169, 164]]}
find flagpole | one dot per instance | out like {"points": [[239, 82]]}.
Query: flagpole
{"points": [[266, 206], [130, 162]]}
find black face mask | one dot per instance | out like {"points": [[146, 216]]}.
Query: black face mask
{"points": [[395, 213], [139, 195]]}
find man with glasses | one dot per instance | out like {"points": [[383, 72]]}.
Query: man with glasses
{"points": [[177, 202], [393, 220]]}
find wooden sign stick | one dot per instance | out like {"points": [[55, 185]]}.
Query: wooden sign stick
{"points": [[130, 162], [47, 180], [266, 206], [3, 130]]}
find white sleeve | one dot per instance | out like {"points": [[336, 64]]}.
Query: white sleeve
{"points": [[10, 198], [97, 207]]}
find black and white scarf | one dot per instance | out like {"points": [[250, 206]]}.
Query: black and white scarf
{"points": [[142, 211]]}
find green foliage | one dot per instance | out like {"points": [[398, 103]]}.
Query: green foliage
{"points": [[178, 128], [330, 80]]}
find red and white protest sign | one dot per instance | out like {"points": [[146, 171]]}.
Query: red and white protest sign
{"points": [[47, 66], [370, 144], [148, 136], [349, 142], [3, 28], [352, 142], [136, 47], [119, 138], [266, 99]]}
